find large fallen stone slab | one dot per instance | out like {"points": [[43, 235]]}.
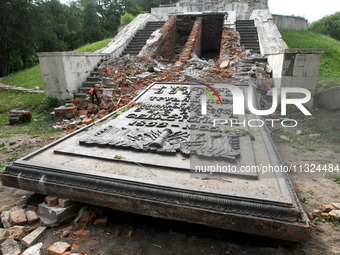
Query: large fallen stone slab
{"points": [[131, 162]]}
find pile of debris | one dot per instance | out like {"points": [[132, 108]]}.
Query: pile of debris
{"points": [[123, 78], [23, 225], [331, 211]]}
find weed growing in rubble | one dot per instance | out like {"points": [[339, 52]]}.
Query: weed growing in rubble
{"points": [[2, 167]]}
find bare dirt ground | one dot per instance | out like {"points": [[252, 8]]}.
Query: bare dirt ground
{"points": [[157, 236]]}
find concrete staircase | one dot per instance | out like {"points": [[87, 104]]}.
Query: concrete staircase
{"points": [[93, 79], [141, 37], [133, 48], [248, 34]]}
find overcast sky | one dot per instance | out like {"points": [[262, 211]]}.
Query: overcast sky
{"points": [[312, 10]]}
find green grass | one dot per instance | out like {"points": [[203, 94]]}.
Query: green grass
{"points": [[31, 77], [28, 78], [329, 74], [36, 103], [92, 47]]}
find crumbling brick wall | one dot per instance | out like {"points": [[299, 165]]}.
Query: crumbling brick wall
{"points": [[166, 46], [193, 44]]}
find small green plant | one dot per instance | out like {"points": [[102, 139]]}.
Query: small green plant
{"points": [[2, 167], [127, 17], [304, 200], [337, 180]]}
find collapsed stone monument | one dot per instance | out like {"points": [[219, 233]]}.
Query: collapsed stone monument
{"points": [[164, 154]]}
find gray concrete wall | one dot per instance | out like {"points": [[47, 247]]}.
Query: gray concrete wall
{"points": [[242, 8], [64, 72], [301, 69], [289, 22], [291, 67]]}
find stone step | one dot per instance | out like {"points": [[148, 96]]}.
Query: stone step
{"points": [[137, 44], [89, 83], [79, 95], [95, 73], [246, 30], [130, 52], [91, 78]]}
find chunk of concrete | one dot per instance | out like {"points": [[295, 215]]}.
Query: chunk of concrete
{"points": [[4, 234], [17, 232], [54, 216], [5, 219], [30, 239], [329, 99], [33, 250], [10, 247]]}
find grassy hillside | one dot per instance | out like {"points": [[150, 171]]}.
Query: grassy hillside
{"points": [[30, 78], [330, 62]]}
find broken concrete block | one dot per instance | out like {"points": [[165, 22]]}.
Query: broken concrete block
{"points": [[335, 214], [17, 117], [33, 250], [17, 232], [30, 239], [10, 247], [53, 216], [5, 219], [31, 216], [224, 64], [59, 248], [63, 202], [4, 234], [18, 217], [51, 200]]}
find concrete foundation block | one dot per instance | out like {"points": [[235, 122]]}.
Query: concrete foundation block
{"points": [[53, 216]]}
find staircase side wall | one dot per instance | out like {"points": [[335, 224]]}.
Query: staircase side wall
{"points": [[64, 72]]}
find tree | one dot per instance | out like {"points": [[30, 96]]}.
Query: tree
{"points": [[329, 25], [93, 31], [17, 33]]}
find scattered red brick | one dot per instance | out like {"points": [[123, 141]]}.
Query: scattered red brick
{"points": [[18, 217], [63, 202], [31, 216], [59, 248], [101, 222], [51, 200], [17, 117], [80, 235], [117, 233], [67, 111], [327, 208]]}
